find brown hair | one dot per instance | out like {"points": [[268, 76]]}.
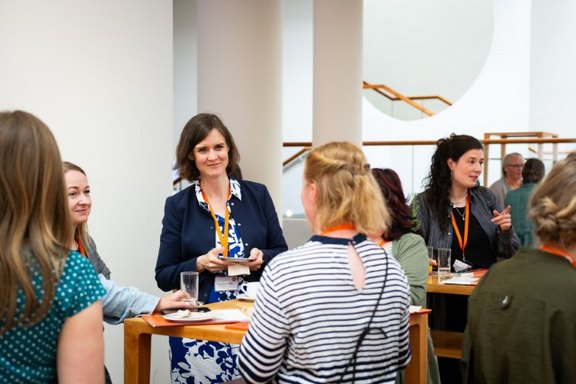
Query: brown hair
{"points": [[533, 171], [553, 205], [35, 226], [346, 189], [196, 130]]}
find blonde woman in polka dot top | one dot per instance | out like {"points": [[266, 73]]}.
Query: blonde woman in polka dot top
{"points": [[50, 310]]}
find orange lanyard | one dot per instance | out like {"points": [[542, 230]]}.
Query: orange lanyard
{"points": [[338, 227], [223, 236], [559, 252], [81, 248], [463, 241]]}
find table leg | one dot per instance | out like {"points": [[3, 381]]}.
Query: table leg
{"points": [[137, 347], [417, 370]]}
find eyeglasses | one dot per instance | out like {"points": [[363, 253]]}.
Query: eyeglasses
{"points": [[517, 166]]}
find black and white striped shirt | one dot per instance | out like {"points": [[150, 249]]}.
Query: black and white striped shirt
{"points": [[309, 316]]}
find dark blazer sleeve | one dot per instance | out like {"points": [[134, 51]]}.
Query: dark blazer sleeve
{"points": [[170, 256]]}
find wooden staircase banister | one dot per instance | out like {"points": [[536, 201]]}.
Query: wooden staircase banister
{"points": [[394, 95], [296, 155]]}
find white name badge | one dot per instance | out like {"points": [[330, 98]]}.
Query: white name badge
{"points": [[226, 283]]}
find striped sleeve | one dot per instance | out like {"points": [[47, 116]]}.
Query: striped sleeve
{"points": [[264, 345]]}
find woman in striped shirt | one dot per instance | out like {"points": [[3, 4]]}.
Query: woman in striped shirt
{"points": [[334, 310]]}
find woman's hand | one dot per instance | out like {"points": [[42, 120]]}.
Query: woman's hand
{"points": [[502, 219], [210, 261], [175, 300], [258, 257]]}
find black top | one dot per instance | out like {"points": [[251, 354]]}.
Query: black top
{"points": [[478, 251]]}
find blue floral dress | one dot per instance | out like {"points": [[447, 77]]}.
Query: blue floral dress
{"points": [[200, 361]]}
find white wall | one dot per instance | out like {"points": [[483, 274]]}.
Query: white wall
{"points": [[185, 65], [497, 101], [99, 73], [425, 48], [552, 78]]}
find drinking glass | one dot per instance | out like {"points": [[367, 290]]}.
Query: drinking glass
{"points": [[444, 259], [189, 284]]}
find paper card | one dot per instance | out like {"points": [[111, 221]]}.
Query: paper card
{"points": [[238, 270], [230, 315], [415, 308], [460, 266], [462, 281]]}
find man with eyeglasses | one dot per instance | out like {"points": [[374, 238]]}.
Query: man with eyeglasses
{"points": [[512, 165]]}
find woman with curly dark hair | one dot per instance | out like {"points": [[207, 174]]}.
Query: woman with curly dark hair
{"points": [[455, 212]]}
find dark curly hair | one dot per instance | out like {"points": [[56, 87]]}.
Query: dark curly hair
{"points": [[196, 130], [439, 179], [402, 219]]}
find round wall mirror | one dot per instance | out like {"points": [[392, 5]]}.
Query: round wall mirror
{"points": [[420, 57]]}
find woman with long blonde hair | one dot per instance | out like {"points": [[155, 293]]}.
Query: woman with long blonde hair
{"points": [[50, 311]]}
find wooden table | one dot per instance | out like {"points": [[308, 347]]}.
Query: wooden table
{"points": [[433, 286], [138, 337], [449, 343]]}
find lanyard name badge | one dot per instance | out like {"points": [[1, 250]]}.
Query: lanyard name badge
{"points": [[225, 283], [222, 235], [463, 241]]}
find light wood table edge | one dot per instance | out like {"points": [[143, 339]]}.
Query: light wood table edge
{"points": [[138, 339], [417, 369], [452, 289]]}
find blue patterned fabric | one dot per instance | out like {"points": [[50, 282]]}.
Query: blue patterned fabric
{"points": [[199, 361]]}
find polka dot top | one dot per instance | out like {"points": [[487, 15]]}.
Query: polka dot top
{"points": [[28, 355]]}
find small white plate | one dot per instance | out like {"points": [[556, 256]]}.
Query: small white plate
{"points": [[245, 298], [193, 316], [237, 259]]}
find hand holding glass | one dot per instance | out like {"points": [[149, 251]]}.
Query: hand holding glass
{"points": [[189, 284]]}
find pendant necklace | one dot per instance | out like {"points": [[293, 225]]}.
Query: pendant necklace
{"points": [[461, 214]]}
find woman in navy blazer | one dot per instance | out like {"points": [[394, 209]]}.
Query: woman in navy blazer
{"points": [[219, 214], [188, 231]]}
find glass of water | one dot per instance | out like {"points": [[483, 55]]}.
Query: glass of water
{"points": [[444, 260], [189, 284]]}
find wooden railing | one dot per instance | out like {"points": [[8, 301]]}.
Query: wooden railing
{"points": [[394, 95], [538, 138]]}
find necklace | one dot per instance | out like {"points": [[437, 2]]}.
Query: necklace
{"points": [[461, 214]]}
